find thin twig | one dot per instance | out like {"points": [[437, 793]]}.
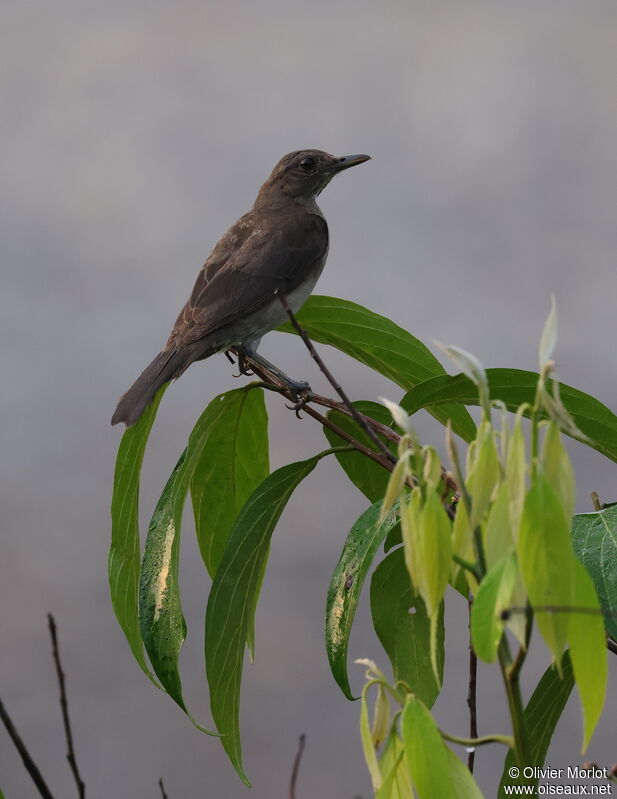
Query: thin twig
{"points": [[296, 767], [595, 501], [472, 695], [332, 380], [70, 755], [273, 383], [335, 405], [30, 765], [162, 787]]}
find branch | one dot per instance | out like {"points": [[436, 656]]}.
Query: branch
{"points": [[272, 383], [162, 787], [31, 767], [296, 767], [359, 418], [70, 756]]}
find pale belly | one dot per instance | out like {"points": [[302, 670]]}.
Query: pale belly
{"points": [[248, 332]]}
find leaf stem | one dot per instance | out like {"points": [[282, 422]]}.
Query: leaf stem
{"points": [[481, 741], [467, 565], [332, 380], [515, 702]]}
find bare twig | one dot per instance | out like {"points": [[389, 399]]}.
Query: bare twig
{"points": [[162, 787], [472, 695], [30, 765], [271, 381], [595, 501], [70, 755], [296, 767], [359, 418]]}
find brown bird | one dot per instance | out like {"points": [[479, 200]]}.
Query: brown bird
{"points": [[279, 247]]}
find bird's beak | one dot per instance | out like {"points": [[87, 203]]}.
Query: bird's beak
{"points": [[350, 160]]}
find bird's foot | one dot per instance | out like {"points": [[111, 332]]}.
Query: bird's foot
{"points": [[301, 394], [243, 367]]}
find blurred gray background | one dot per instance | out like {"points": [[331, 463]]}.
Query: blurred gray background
{"points": [[133, 134]]}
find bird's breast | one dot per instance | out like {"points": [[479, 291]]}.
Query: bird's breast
{"points": [[271, 315]]}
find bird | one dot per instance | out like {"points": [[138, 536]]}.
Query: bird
{"points": [[279, 247]]}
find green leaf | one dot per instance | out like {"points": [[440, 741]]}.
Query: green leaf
{"points": [[125, 550], [514, 387], [163, 628], [588, 651], [403, 627], [548, 340], [364, 473], [433, 771], [379, 344], [368, 747], [233, 462], [346, 584], [465, 786], [492, 598], [232, 598], [498, 539], [432, 562], [557, 468], [397, 780], [546, 562], [594, 536], [542, 713], [484, 474]]}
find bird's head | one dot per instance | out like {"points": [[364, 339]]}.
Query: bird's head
{"points": [[303, 174]]}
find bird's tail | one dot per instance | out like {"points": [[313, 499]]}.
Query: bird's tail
{"points": [[167, 365]]}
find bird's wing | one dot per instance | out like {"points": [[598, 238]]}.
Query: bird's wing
{"points": [[254, 259]]}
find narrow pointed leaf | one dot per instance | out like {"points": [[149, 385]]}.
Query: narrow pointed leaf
{"points": [[233, 461], [542, 713], [365, 474], [379, 344], [465, 786], [548, 339], [492, 598], [594, 536], [163, 627], [557, 468], [232, 598], [426, 752], [125, 551], [546, 562], [588, 651], [346, 584], [395, 770], [403, 627], [368, 747], [514, 387], [432, 562]]}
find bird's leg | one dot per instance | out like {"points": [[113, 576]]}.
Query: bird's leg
{"points": [[300, 389]]}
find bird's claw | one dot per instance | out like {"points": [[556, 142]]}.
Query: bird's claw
{"points": [[243, 368], [302, 394]]}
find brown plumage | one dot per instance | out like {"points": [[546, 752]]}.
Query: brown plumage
{"points": [[279, 246]]}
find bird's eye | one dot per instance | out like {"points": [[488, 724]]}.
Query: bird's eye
{"points": [[307, 163]]}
